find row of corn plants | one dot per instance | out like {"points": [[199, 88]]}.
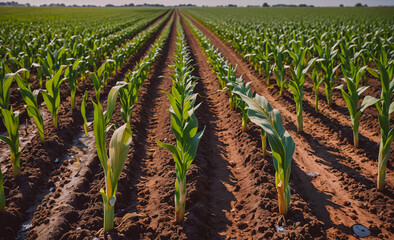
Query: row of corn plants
{"points": [[51, 93], [259, 111], [90, 43], [184, 123], [322, 56], [127, 91]]}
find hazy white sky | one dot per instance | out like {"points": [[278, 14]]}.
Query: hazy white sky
{"points": [[213, 2]]}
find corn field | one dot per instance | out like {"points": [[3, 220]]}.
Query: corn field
{"points": [[196, 123]]}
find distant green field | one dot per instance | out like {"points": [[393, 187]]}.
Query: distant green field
{"points": [[29, 34], [297, 13]]}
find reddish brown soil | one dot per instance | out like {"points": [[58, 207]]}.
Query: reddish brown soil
{"points": [[39, 171], [347, 175]]}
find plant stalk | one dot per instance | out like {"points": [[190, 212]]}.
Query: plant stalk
{"points": [[54, 120], [299, 116], [16, 168], [180, 203], [231, 103], [263, 135], [329, 96], [283, 208], [109, 215], [355, 137], [244, 122], [383, 157], [2, 195], [73, 99], [317, 101]]}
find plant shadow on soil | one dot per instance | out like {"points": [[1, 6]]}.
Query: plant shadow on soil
{"points": [[331, 159], [312, 195]]}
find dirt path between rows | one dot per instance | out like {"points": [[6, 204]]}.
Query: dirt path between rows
{"points": [[345, 181]]}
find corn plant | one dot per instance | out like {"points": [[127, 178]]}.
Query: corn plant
{"points": [[266, 65], [282, 145], [328, 64], [279, 68], [51, 94], [99, 79], [38, 67], [5, 86], [317, 80], [385, 108], [30, 98], [52, 62], [71, 74], [230, 80], [243, 88], [118, 149], [113, 164], [2, 194], [298, 73], [6, 78], [184, 123], [11, 122], [352, 78], [129, 95]]}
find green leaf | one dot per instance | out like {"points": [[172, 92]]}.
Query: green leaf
{"points": [[118, 149], [368, 101], [373, 72], [111, 103]]}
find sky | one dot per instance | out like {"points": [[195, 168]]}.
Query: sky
{"points": [[214, 2]]}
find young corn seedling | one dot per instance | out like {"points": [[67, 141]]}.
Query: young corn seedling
{"points": [[328, 62], [352, 78], [184, 124], [71, 74], [100, 78], [279, 68], [129, 92], [11, 122], [118, 149], [385, 108], [38, 67], [6, 78], [119, 146], [52, 62], [51, 94], [317, 80], [266, 64], [30, 98], [243, 88], [298, 73], [2, 195], [282, 145]]}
